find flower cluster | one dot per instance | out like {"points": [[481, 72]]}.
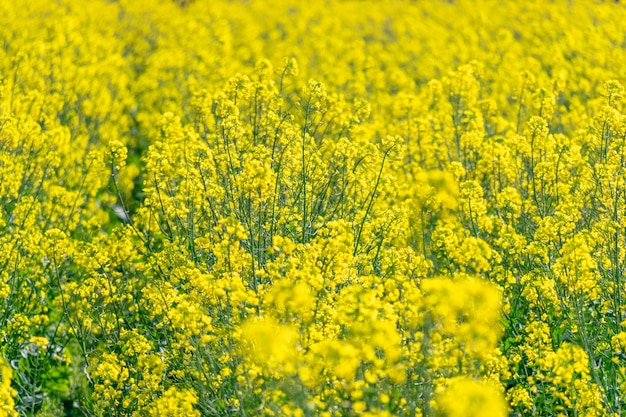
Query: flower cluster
{"points": [[337, 208]]}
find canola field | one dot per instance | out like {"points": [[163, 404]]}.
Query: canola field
{"points": [[324, 208]]}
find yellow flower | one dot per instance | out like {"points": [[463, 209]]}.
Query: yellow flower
{"points": [[7, 393], [466, 397], [271, 345]]}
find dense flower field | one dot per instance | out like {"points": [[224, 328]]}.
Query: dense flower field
{"points": [[333, 208]]}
